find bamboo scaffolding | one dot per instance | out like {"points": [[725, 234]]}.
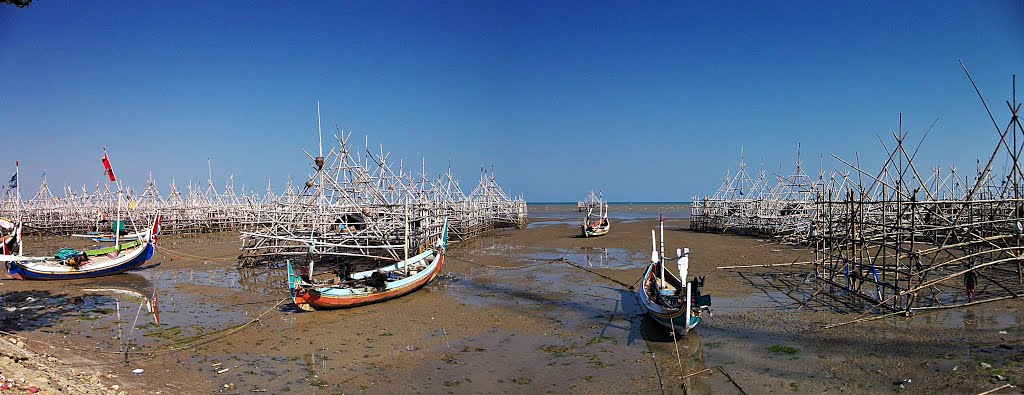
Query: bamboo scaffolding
{"points": [[352, 205], [358, 203], [896, 239]]}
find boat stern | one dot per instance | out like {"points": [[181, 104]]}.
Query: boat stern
{"points": [[15, 271], [299, 294]]}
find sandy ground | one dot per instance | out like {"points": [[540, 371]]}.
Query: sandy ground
{"points": [[530, 310]]}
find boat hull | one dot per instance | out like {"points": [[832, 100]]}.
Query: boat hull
{"points": [[672, 319], [316, 298], [132, 259], [594, 231], [310, 297], [676, 323]]}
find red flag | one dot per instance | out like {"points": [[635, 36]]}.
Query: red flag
{"points": [[106, 165], [156, 226]]}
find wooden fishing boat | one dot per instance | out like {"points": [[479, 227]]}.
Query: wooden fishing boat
{"points": [[370, 286], [596, 228], [672, 304], [600, 227], [72, 264]]}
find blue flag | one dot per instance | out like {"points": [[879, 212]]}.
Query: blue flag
{"points": [[13, 183]]}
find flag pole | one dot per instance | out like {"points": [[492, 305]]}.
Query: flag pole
{"points": [[405, 247], [17, 202], [17, 190], [117, 221]]}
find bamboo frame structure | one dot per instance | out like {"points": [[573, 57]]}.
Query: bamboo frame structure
{"points": [[592, 202], [904, 242], [898, 239], [196, 211], [756, 206], [357, 204]]}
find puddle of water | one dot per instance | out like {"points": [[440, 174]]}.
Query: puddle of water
{"points": [[603, 258], [263, 280], [135, 309], [976, 319], [591, 257], [536, 224]]}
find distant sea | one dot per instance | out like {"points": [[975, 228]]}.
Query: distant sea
{"points": [[555, 211]]}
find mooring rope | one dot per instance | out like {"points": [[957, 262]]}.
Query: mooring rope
{"points": [[490, 266], [650, 349], [160, 350], [171, 252]]}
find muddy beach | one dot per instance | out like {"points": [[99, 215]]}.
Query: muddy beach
{"points": [[528, 310]]}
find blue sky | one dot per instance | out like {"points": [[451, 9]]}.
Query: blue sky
{"points": [[647, 103]]}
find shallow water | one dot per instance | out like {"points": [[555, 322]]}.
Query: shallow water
{"points": [[616, 211]]}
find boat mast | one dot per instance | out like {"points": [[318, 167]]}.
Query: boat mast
{"points": [[661, 221], [319, 162], [17, 204], [17, 191], [117, 220], [312, 251], [405, 245]]}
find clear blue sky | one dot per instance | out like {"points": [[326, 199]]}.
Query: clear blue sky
{"points": [[647, 103]]}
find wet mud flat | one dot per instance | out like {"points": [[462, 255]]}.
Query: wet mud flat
{"points": [[536, 310]]}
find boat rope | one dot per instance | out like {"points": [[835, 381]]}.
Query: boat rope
{"points": [[627, 286], [661, 383], [179, 254], [489, 266], [650, 349], [721, 369], [131, 333], [171, 348], [675, 341]]}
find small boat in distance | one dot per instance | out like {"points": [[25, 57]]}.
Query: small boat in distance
{"points": [[672, 304], [369, 286], [600, 226]]}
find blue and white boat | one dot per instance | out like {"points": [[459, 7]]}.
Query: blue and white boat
{"points": [[68, 264], [672, 304]]}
